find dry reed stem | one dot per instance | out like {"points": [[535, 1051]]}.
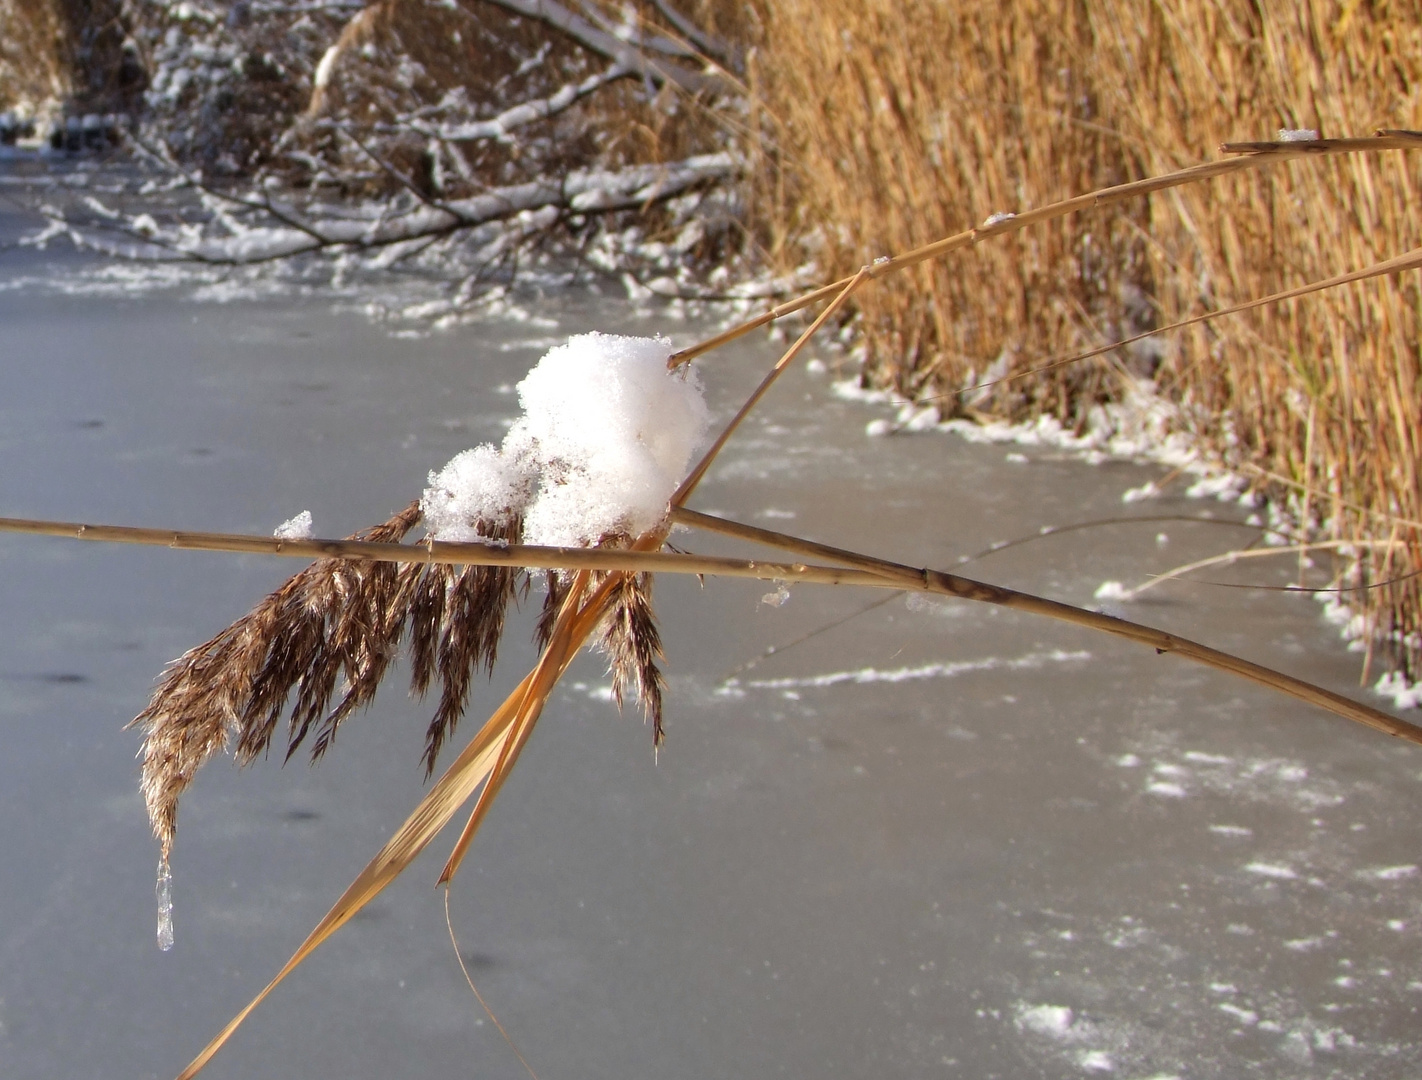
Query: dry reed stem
{"points": [[1412, 260], [897, 575], [694, 477], [858, 569], [1230, 557], [1277, 152], [440, 553]]}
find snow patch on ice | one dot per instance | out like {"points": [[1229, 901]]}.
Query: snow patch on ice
{"points": [[1096, 1061], [1405, 695], [1166, 789], [945, 670], [1277, 871], [1239, 831], [1052, 1020], [1390, 873], [1247, 1017]]}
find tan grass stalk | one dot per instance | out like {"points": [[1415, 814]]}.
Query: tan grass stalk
{"points": [[1107, 196], [946, 584], [699, 470], [858, 569], [1412, 260], [439, 553], [1228, 558]]}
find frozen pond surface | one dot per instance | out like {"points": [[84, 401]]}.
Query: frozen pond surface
{"points": [[938, 840]]}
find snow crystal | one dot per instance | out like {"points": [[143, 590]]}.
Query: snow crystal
{"points": [[1112, 590], [1231, 830], [1167, 789], [1202, 758], [1148, 490], [325, 67], [297, 528], [1298, 135], [606, 436], [945, 670], [996, 219]]}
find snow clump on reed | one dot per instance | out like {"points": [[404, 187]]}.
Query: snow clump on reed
{"points": [[606, 436]]}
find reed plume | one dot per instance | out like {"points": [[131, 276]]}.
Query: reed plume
{"points": [[630, 640], [332, 618], [345, 619]]}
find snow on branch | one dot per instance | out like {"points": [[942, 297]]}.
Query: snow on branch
{"points": [[500, 127], [378, 225]]}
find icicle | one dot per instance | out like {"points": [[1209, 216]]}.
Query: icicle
{"points": [[165, 904]]}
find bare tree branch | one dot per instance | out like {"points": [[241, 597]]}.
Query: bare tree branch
{"points": [[614, 48], [713, 47]]}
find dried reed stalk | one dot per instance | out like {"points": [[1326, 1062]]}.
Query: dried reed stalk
{"points": [[1229, 558], [897, 575], [1262, 155]]}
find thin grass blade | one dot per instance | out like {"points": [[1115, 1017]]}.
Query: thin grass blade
{"points": [[449, 793]]}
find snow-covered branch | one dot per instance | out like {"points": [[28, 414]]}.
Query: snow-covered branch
{"points": [[499, 128], [227, 239]]}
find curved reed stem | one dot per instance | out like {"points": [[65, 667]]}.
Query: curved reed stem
{"points": [[1255, 156]]}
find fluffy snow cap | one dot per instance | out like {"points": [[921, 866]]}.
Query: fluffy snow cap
{"points": [[606, 436], [477, 485]]}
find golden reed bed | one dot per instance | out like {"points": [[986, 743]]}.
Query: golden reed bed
{"points": [[898, 121]]}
